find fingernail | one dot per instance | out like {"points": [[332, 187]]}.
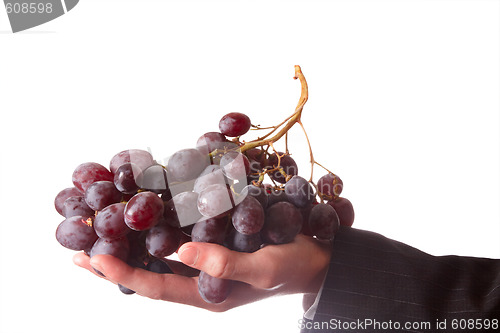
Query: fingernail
{"points": [[97, 268], [189, 256]]}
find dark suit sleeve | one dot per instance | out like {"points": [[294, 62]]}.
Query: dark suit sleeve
{"points": [[373, 279]]}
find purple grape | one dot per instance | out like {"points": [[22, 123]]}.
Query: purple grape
{"points": [[243, 243], [234, 124], [159, 267], [235, 166], [182, 209], [330, 186], [102, 194], [254, 173], [217, 155], [162, 240], [286, 162], [137, 244], [76, 206], [211, 175], [110, 222], [306, 211], [210, 231], [211, 141], [118, 248], [258, 155], [213, 290], [186, 165], [125, 290], [323, 221], [141, 158], [127, 177], [248, 216], [63, 195], [283, 223], [87, 173], [75, 233], [299, 192], [275, 195], [344, 210], [143, 211], [215, 201], [154, 179], [258, 193]]}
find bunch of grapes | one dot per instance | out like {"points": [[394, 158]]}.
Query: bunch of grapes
{"points": [[237, 194]]}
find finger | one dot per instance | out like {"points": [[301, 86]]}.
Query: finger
{"points": [[174, 288], [220, 262], [180, 268], [83, 260], [168, 287]]}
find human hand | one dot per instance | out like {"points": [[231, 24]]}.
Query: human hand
{"points": [[296, 267]]}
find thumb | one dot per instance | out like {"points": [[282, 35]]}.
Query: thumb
{"points": [[220, 262]]}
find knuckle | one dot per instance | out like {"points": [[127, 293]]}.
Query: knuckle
{"points": [[156, 295], [267, 282], [269, 278], [222, 268]]}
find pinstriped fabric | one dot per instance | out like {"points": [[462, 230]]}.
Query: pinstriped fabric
{"points": [[378, 279]]}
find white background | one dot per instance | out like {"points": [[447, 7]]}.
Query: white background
{"points": [[404, 107]]}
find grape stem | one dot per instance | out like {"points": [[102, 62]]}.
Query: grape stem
{"points": [[257, 127], [268, 140], [290, 121]]}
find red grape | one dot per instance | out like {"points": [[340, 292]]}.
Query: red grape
{"points": [[139, 157], [248, 216], [243, 243], [185, 165], [258, 155], [258, 193], [330, 186], [154, 179], [215, 201], [299, 192], [234, 124], [87, 173], [323, 221], [63, 195], [143, 211], [159, 267], [213, 290], [75, 233], [211, 141], [76, 206], [102, 194], [210, 231], [127, 177], [275, 195], [286, 162], [162, 240], [110, 223], [118, 248], [182, 209], [211, 175], [344, 210], [283, 223], [235, 166]]}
